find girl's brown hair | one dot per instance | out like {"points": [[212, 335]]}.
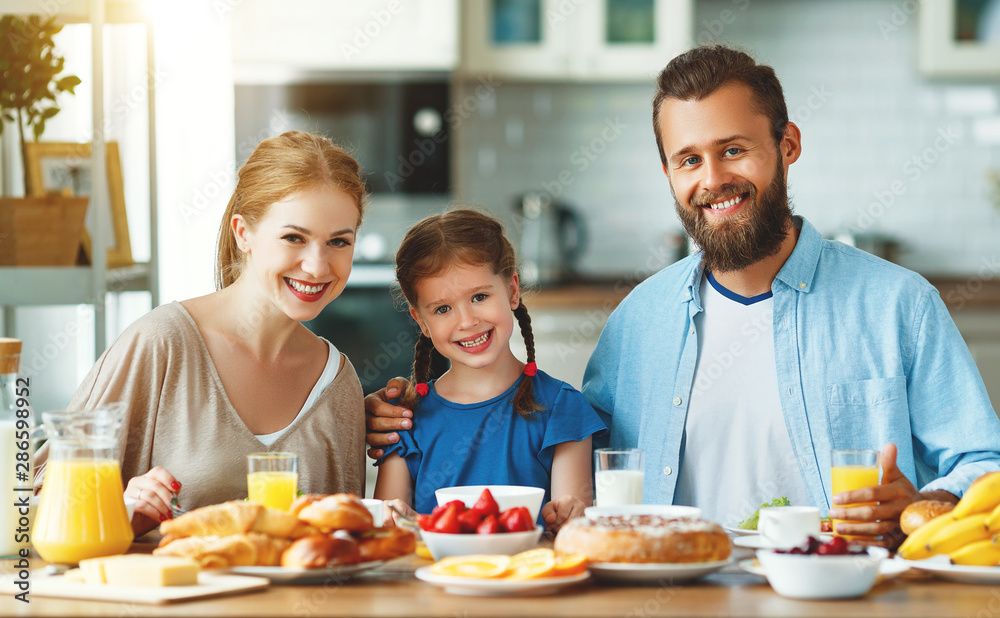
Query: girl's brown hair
{"points": [[462, 236], [280, 166]]}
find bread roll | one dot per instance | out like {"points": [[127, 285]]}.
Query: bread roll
{"points": [[921, 512], [333, 512], [320, 550]]}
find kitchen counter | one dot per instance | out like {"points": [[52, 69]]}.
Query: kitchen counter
{"points": [[958, 293], [392, 590]]}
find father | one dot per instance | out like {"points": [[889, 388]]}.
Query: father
{"points": [[741, 367]]}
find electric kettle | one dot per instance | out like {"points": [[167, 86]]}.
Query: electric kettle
{"points": [[552, 237]]}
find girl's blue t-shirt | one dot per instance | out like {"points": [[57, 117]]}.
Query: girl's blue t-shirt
{"points": [[488, 443]]}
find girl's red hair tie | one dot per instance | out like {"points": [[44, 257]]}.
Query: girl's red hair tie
{"points": [[422, 389], [530, 369]]}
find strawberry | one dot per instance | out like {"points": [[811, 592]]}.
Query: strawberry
{"points": [[441, 507], [489, 525], [486, 505], [469, 520], [447, 520], [516, 519], [426, 522]]}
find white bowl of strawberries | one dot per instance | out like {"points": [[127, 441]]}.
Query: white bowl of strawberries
{"points": [[455, 529]]}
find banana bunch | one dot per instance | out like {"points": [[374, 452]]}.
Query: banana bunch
{"points": [[969, 534]]}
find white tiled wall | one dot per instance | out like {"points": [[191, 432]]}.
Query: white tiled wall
{"points": [[851, 84]]}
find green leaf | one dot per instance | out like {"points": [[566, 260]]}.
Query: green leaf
{"points": [[38, 129], [48, 113]]}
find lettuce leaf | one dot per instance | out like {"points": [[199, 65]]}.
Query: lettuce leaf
{"points": [[750, 523]]}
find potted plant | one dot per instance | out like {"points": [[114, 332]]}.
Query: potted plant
{"points": [[46, 230]]}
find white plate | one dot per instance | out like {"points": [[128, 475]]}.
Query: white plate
{"points": [[940, 566], [887, 569], [471, 586], [739, 531], [637, 572], [285, 575], [759, 542]]}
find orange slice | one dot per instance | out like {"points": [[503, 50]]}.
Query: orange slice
{"points": [[570, 564], [532, 564], [481, 566], [422, 551]]}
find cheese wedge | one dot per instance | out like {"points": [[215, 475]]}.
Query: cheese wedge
{"points": [[140, 570]]}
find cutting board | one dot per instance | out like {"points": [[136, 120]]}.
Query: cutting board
{"points": [[209, 585]]}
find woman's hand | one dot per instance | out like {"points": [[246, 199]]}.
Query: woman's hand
{"points": [[391, 517], [561, 510], [153, 492], [381, 416]]}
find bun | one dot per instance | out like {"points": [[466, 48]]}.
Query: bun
{"points": [[333, 512], [921, 512], [643, 539], [213, 552], [234, 517], [385, 543], [320, 550]]}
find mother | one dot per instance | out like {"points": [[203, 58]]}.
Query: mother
{"points": [[208, 380]]}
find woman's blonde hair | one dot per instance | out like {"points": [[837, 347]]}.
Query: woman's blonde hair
{"points": [[280, 166]]}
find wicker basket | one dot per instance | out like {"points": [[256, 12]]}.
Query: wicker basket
{"points": [[41, 231]]}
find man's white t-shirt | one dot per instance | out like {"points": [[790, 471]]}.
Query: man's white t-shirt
{"points": [[736, 450]]}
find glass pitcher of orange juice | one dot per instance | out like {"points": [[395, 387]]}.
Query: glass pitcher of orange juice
{"points": [[82, 513]]}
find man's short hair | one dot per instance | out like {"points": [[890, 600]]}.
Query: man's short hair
{"points": [[697, 73]]}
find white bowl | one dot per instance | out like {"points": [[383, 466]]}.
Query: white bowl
{"points": [[800, 576], [663, 510], [506, 496], [507, 543]]}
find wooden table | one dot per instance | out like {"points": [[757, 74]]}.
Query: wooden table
{"points": [[393, 591]]}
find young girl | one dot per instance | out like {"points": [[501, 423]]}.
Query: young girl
{"points": [[490, 419]]}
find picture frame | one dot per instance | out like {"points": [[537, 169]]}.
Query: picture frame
{"points": [[948, 46], [64, 168]]}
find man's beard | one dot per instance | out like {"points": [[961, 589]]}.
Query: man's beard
{"points": [[737, 242]]}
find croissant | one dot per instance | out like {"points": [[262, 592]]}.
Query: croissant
{"points": [[214, 552], [235, 517]]}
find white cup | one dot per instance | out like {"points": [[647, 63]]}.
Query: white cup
{"points": [[375, 508], [788, 526]]}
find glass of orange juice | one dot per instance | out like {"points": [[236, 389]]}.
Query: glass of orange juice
{"points": [[273, 479], [853, 470]]}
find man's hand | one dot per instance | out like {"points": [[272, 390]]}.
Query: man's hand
{"points": [[878, 524], [381, 416]]}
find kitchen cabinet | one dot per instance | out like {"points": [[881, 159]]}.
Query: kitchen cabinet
{"points": [[96, 284], [324, 36], [957, 39], [565, 337], [599, 40]]}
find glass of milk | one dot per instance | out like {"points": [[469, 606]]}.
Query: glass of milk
{"points": [[618, 474]]}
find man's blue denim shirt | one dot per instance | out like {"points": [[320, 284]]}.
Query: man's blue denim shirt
{"points": [[866, 354]]}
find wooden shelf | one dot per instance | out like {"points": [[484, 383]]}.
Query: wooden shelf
{"points": [[67, 285]]}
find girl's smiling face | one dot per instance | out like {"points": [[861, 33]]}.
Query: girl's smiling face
{"points": [[467, 311], [299, 255]]}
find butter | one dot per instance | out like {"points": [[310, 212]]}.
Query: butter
{"points": [[140, 570]]}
